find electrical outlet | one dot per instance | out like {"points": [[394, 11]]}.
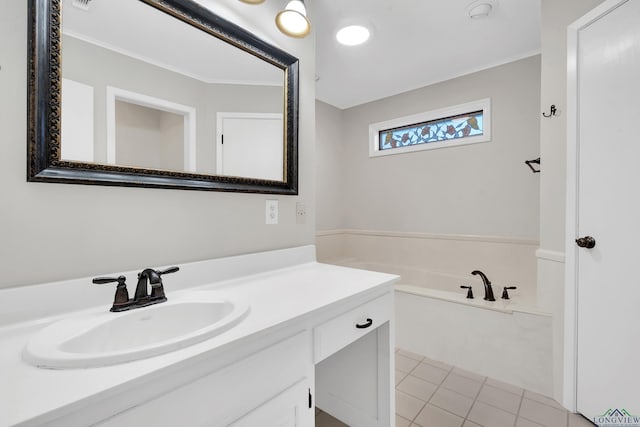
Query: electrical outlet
{"points": [[301, 213], [271, 212]]}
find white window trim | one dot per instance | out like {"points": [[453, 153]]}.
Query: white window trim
{"points": [[116, 94], [482, 104]]}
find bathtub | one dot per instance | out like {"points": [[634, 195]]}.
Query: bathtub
{"points": [[509, 340]]}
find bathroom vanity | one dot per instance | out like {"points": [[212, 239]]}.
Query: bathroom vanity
{"points": [[314, 334]]}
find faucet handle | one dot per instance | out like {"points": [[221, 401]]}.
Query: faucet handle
{"points": [[102, 280], [121, 299], [469, 291], [505, 294], [168, 270], [157, 289]]}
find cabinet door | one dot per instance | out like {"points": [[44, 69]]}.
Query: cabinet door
{"points": [[288, 409]]}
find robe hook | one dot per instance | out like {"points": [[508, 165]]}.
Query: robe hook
{"points": [[552, 111]]}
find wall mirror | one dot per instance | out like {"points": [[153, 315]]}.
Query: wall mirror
{"points": [[158, 93]]}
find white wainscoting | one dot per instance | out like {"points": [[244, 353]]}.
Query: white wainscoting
{"points": [[506, 261]]}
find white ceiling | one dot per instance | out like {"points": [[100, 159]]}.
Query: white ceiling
{"points": [[415, 43]]}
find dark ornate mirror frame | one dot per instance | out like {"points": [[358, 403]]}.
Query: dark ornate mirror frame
{"points": [[44, 108]]}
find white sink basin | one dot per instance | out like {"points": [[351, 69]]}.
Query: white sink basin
{"points": [[106, 338]]}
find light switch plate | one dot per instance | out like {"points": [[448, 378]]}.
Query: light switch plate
{"points": [[271, 212]]}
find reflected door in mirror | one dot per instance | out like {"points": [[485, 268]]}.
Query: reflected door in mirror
{"points": [[250, 145]]}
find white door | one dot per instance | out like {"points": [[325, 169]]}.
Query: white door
{"points": [[251, 145], [608, 209]]}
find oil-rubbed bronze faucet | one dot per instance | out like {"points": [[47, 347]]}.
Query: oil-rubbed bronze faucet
{"points": [[141, 298], [488, 290]]}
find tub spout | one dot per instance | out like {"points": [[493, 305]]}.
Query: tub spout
{"points": [[488, 290]]}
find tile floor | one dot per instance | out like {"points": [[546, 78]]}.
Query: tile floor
{"points": [[434, 394]]}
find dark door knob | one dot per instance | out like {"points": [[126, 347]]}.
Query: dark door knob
{"points": [[586, 242]]}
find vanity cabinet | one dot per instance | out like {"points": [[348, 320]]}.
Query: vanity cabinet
{"points": [[289, 409], [317, 335], [271, 385], [353, 365], [339, 360]]}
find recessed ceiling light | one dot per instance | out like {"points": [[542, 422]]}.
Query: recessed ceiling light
{"points": [[352, 35]]}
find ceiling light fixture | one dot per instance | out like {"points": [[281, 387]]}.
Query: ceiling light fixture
{"points": [[252, 1], [293, 21], [352, 35]]}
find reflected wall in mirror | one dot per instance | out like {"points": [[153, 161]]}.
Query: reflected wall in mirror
{"points": [[158, 93]]}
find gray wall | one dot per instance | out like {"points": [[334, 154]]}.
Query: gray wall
{"points": [[57, 231], [99, 67], [331, 167], [481, 189], [148, 137], [556, 16]]}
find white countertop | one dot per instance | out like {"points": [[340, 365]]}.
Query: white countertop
{"points": [[280, 296]]}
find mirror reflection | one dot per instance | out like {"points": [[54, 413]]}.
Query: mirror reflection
{"points": [[143, 89]]}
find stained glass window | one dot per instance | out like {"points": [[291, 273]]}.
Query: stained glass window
{"points": [[447, 128], [451, 126]]}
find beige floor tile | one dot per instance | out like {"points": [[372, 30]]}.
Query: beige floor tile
{"points": [[462, 385], [402, 422], [417, 387], [470, 424], [468, 374], [432, 416], [408, 406], [400, 376], [490, 416], [523, 422], [542, 414], [577, 420], [437, 364], [405, 364], [414, 356], [543, 399], [500, 398], [429, 373], [505, 386], [452, 401]]}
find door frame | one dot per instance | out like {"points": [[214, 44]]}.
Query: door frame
{"points": [[220, 116], [570, 355], [189, 113]]}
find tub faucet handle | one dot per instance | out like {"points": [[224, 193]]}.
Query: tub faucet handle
{"points": [[469, 291], [505, 294]]}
